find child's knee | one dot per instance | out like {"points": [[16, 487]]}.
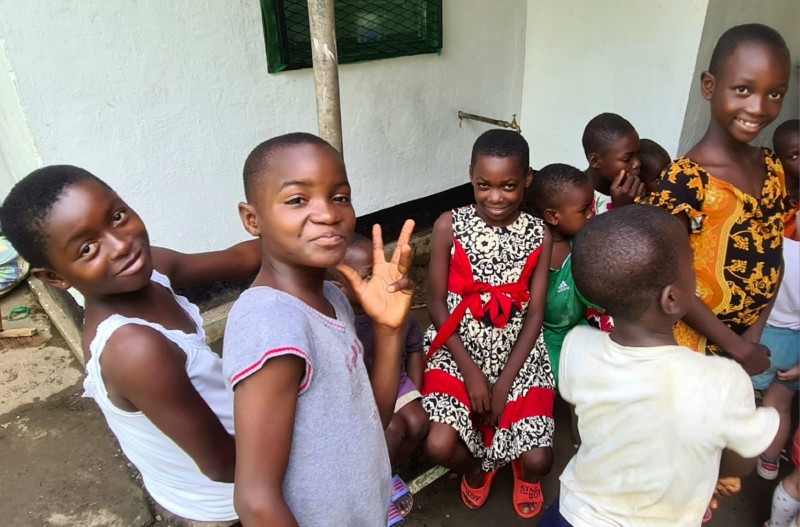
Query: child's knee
{"points": [[396, 427], [417, 423], [440, 443], [538, 461]]}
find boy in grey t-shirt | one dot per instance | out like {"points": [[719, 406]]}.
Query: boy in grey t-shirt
{"points": [[308, 419]]}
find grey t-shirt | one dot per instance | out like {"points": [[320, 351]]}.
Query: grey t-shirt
{"points": [[338, 472]]}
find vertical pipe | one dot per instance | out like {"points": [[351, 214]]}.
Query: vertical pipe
{"points": [[326, 71]]}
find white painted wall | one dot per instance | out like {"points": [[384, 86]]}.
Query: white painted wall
{"points": [[164, 100], [784, 16], [17, 152], [585, 57]]}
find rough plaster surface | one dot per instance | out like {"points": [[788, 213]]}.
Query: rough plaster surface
{"points": [[723, 14], [164, 100], [632, 58]]}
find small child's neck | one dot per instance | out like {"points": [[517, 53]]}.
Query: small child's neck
{"points": [[641, 334], [599, 183], [305, 284], [718, 139]]}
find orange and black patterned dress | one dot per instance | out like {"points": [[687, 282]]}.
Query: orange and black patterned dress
{"points": [[737, 241]]}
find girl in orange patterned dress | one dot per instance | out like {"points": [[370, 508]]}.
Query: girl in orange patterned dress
{"points": [[732, 198]]}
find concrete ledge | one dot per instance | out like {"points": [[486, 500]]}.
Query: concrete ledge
{"points": [[64, 312], [214, 322]]}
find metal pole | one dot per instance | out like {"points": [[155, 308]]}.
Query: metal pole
{"points": [[326, 71]]}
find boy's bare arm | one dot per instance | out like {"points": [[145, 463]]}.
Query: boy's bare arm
{"points": [[438, 272], [753, 357], [239, 262], [264, 412], [386, 299], [531, 328], [143, 368]]}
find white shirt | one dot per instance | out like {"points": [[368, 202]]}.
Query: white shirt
{"points": [[653, 423], [170, 475], [786, 312]]}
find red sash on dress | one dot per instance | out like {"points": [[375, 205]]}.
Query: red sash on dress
{"points": [[503, 297]]}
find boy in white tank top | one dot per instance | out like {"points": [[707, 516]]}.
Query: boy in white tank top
{"points": [[148, 367]]}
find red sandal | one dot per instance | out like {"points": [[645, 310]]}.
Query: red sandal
{"points": [[475, 498], [524, 492]]}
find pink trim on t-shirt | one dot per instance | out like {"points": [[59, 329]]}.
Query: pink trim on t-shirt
{"points": [[277, 352]]}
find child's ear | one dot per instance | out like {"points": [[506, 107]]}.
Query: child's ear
{"points": [[550, 216], [707, 83], [595, 160], [668, 301], [249, 219], [51, 278], [528, 177]]}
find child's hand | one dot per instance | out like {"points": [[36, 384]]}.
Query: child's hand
{"points": [[725, 487], [386, 295], [478, 390], [625, 189], [790, 375], [753, 357], [499, 398]]}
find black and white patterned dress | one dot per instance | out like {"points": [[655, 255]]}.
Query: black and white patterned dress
{"points": [[500, 260]]}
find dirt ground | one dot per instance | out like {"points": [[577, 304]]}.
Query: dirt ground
{"points": [[59, 463]]}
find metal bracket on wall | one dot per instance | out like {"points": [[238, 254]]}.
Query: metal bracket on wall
{"points": [[497, 122]]}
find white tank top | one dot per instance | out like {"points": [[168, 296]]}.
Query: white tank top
{"points": [[170, 475]]}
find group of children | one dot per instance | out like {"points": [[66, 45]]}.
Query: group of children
{"points": [[329, 384]]}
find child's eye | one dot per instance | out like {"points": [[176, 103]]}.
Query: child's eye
{"points": [[776, 95], [120, 216], [88, 250], [510, 186], [295, 201], [741, 90], [483, 186], [341, 198]]}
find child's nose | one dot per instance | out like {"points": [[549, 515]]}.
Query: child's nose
{"points": [[325, 212], [119, 246], [757, 106]]}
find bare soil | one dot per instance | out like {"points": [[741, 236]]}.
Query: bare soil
{"points": [[59, 463]]}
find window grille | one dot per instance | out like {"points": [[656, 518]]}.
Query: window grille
{"points": [[365, 30]]}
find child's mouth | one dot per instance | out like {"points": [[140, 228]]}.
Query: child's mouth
{"points": [[133, 266], [749, 125], [329, 240]]}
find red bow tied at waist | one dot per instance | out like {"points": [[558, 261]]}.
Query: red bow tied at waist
{"points": [[503, 297]]}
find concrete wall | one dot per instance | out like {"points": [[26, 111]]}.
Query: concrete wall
{"points": [[164, 100], [585, 57], [784, 16], [17, 152]]}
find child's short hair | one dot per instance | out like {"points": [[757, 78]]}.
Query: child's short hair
{"points": [[623, 259], [603, 130], [26, 209], [785, 130], [650, 150], [359, 241], [259, 159], [548, 184], [751, 33], [501, 143]]}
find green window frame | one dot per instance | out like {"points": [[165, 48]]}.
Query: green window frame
{"points": [[365, 30]]}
